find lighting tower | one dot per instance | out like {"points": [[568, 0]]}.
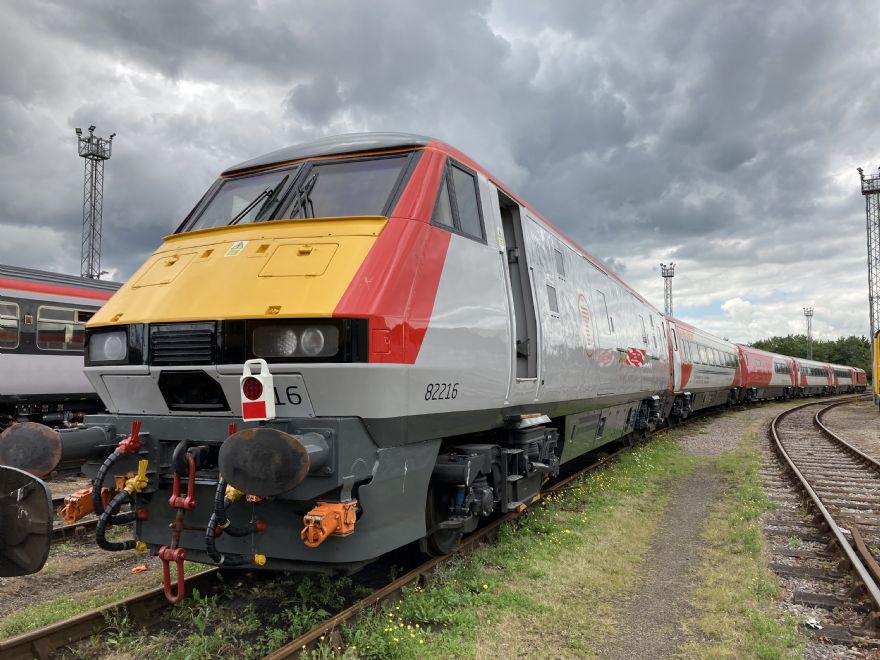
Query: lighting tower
{"points": [[808, 312], [871, 191], [668, 273], [95, 150]]}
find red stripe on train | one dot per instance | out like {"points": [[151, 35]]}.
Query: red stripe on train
{"points": [[396, 285], [53, 289]]}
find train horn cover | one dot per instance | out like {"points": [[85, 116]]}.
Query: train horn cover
{"points": [[257, 392]]}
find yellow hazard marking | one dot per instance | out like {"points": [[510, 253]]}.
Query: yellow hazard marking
{"points": [[235, 249]]}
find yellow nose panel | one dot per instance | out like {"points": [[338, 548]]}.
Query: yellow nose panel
{"points": [[299, 260], [290, 268], [165, 270]]}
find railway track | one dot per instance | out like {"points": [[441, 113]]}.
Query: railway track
{"points": [[841, 485], [146, 607]]}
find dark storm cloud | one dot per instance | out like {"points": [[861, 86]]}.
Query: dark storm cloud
{"points": [[709, 133]]}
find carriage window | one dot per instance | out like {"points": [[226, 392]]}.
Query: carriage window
{"points": [[465, 187], [60, 329], [8, 325], [443, 209], [552, 300], [674, 339], [560, 263], [644, 332]]}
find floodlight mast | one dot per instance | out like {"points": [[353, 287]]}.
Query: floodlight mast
{"points": [[668, 272], [871, 191], [808, 313], [94, 150]]}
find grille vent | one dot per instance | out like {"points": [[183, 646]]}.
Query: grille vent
{"points": [[182, 343]]}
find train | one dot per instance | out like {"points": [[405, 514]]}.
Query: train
{"points": [[368, 341], [42, 340]]}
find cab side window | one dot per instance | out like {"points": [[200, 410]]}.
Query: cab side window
{"points": [[443, 208], [458, 203]]}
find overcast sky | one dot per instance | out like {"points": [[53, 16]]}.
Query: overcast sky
{"points": [[723, 136]]}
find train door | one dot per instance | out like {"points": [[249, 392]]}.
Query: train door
{"points": [[525, 327], [607, 353], [676, 358]]}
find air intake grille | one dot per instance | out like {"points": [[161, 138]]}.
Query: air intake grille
{"points": [[182, 343]]}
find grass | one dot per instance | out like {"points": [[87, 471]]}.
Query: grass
{"points": [[551, 583], [42, 614], [738, 594], [247, 619]]}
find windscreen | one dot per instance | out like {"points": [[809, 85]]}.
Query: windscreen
{"points": [[347, 188], [314, 189], [234, 196]]}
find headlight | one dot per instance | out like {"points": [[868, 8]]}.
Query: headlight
{"points": [[312, 341], [292, 341], [275, 341], [108, 346]]}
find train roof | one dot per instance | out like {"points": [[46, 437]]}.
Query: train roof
{"points": [[59, 279], [335, 145]]}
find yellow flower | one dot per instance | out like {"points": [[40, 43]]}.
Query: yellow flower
{"points": [[485, 586]]}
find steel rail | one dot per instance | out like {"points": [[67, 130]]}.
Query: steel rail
{"points": [[311, 638], [61, 532], [817, 420], [851, 555], [41, 643]]}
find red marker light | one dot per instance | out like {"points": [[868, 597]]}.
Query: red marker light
{"points": [[252, 388]]}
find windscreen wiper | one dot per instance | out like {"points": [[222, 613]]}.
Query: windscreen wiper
{"points": [[268, 207], [302, 200], [268, 194]]}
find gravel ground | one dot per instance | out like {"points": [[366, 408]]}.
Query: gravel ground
{"points": [[653, 617], [716, 434], [859, 424], [77, 569]]}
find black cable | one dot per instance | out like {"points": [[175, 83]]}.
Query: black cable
{"points": [[107, 518]]}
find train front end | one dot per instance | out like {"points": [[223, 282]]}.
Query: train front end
{"points": [[239, 368]]}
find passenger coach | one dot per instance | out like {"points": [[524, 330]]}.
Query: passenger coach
{"points": [[42, 331]]}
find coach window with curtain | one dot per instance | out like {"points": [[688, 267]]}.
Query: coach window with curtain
{"points": [[8, 325], [61, 328]]}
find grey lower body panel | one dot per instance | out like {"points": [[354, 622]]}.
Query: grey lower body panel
{"points": [[385, 464]]}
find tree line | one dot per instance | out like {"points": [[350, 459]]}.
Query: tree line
{"points": [[851, 351]]}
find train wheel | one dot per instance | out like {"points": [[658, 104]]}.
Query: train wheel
{"points": [[438, 509]]}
